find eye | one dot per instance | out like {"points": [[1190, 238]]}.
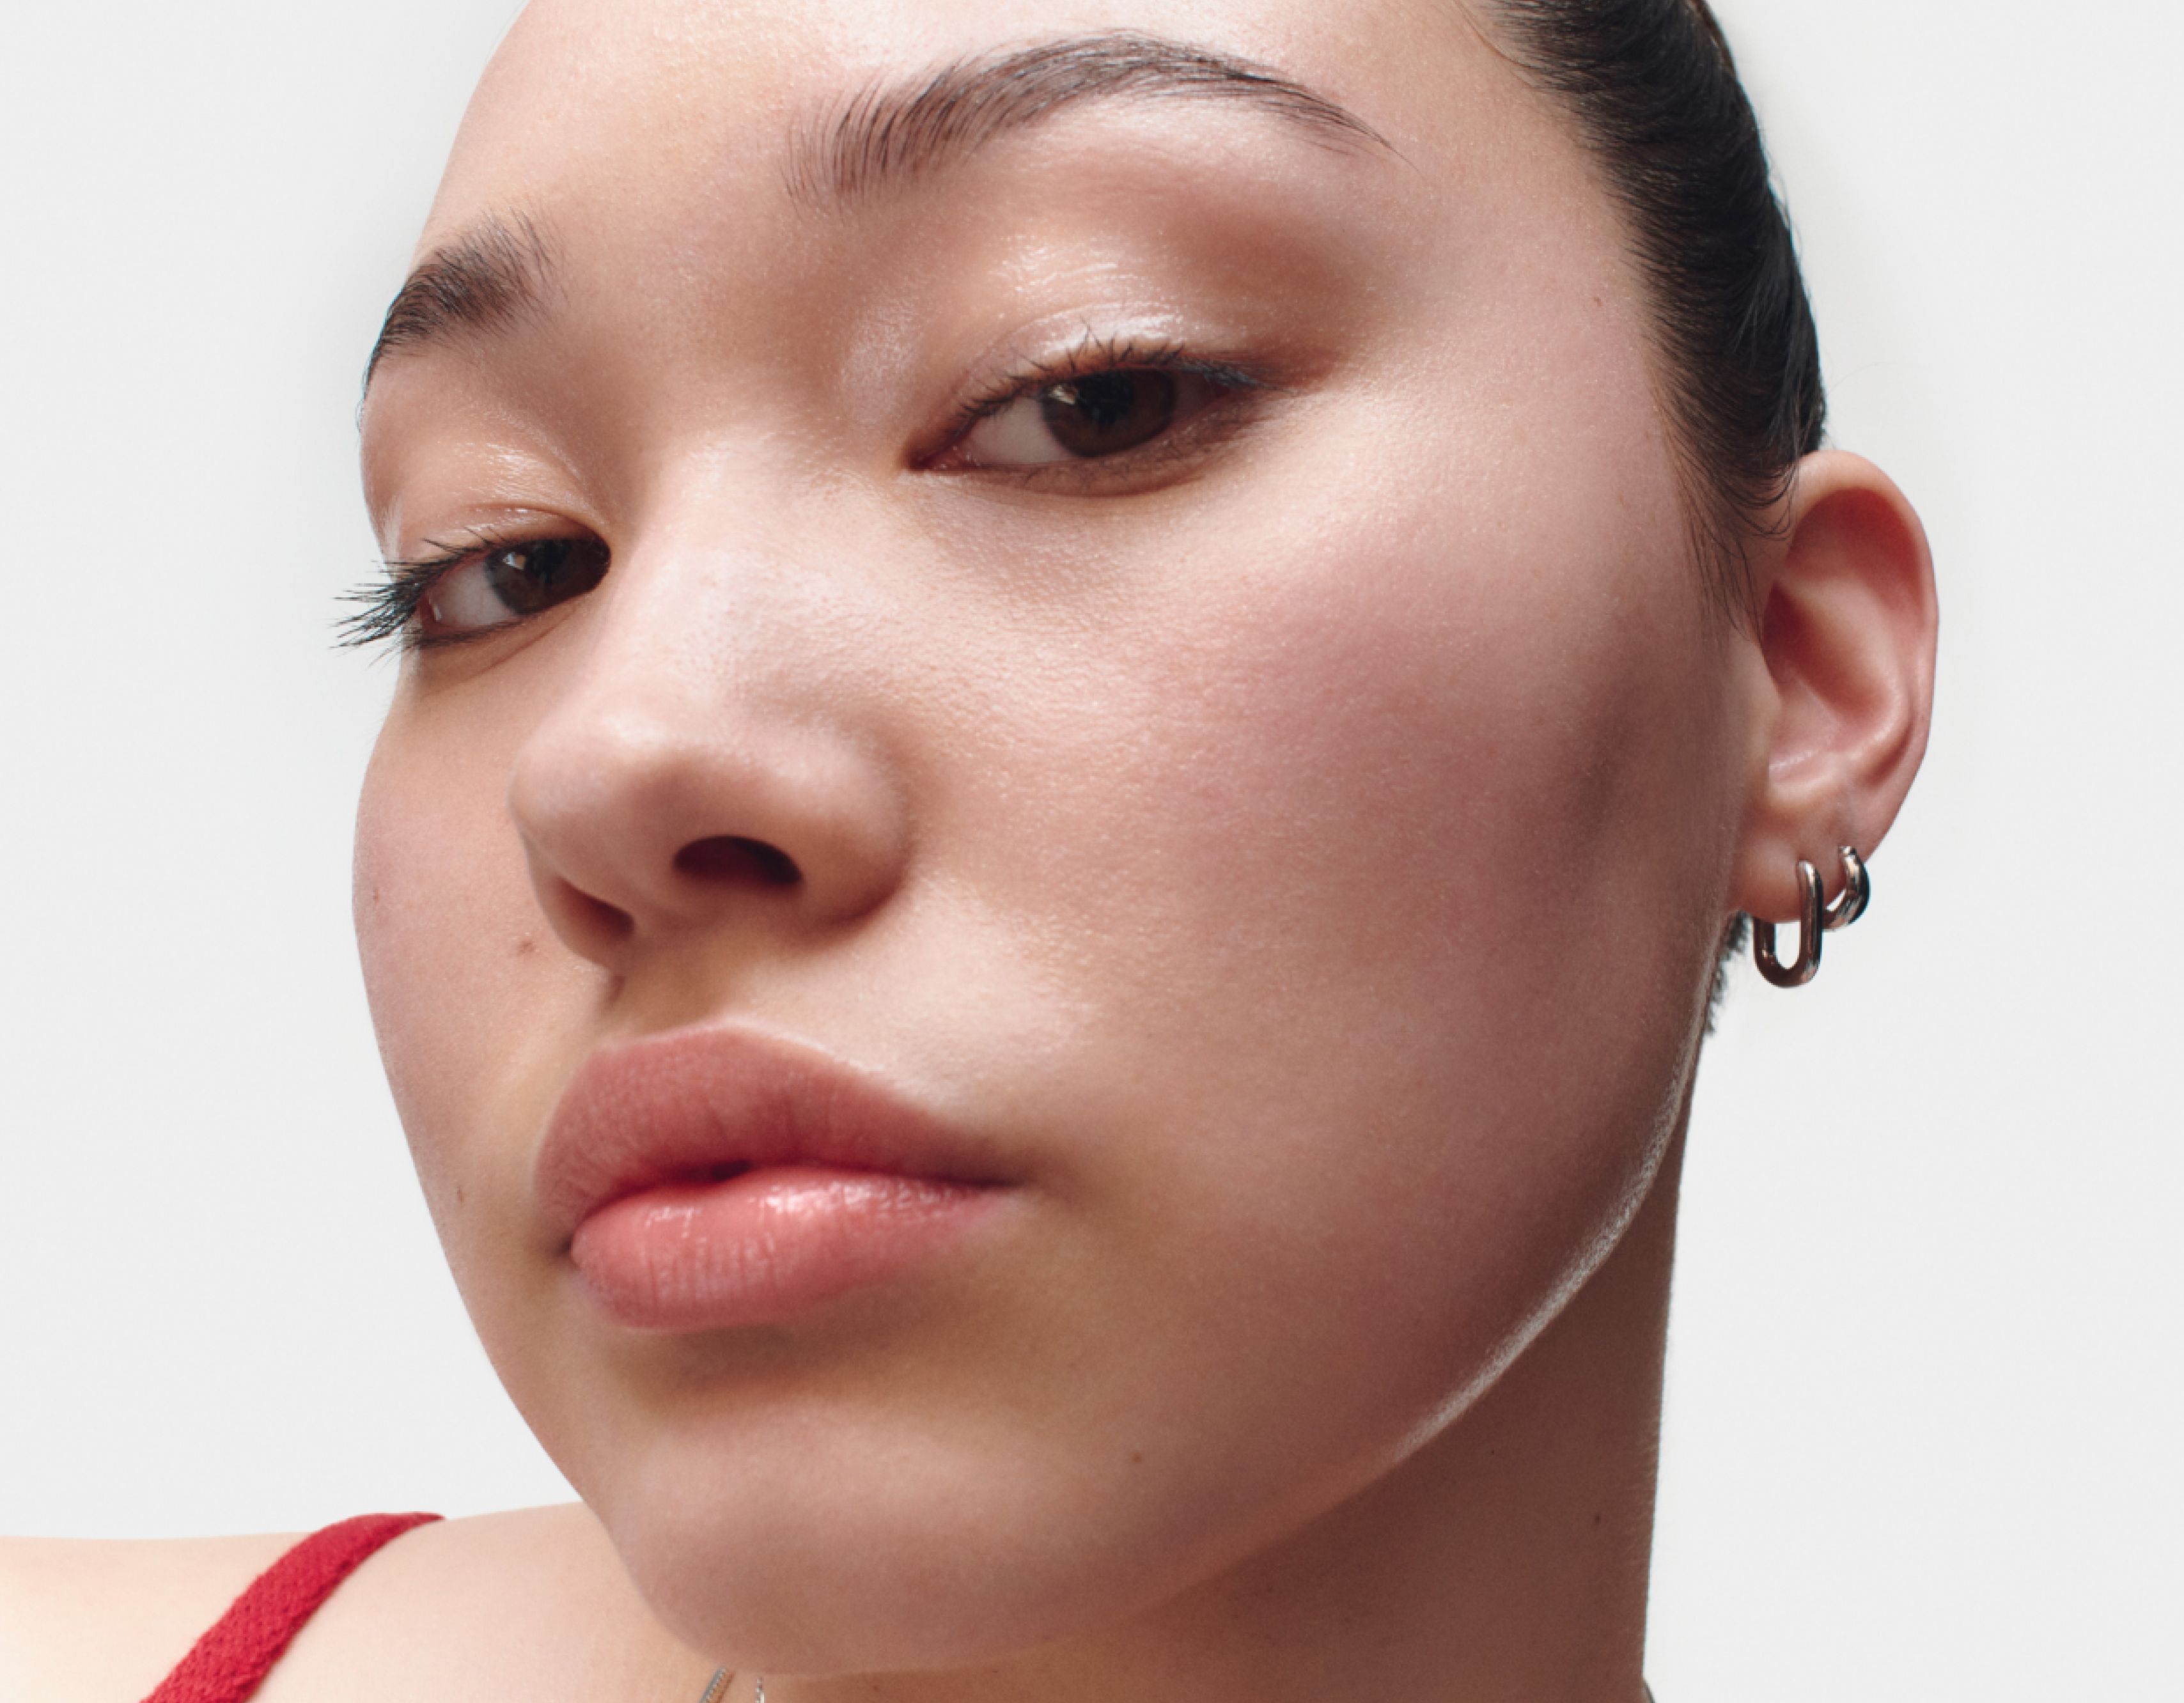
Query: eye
{"points": [[1087, 418], [506, 582]]}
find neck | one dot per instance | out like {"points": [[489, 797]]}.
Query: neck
{"points": [[1506, 1558]]}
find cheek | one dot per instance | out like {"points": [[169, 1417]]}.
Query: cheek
{"points": [[1380, 858], [1421, 736], [465, 980], [1454, 867]]}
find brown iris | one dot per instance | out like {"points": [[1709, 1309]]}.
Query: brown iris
{"points": [[1109, 412], [531, 577]]}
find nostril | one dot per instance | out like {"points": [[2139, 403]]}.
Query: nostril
{"points": [[730, 858]]}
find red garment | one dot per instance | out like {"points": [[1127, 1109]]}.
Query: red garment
{"points": [[231, 1661]]}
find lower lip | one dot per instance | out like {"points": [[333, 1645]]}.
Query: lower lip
{"points": [[763, 1247]]}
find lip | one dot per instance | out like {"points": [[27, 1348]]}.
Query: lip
{"points": [[708, 1179]]}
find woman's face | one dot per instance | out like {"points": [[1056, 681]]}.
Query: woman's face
{"points": [[1147, 649]]}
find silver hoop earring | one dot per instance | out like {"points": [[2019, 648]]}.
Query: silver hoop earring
{"points": [[1814, 920], [1857, 891]]}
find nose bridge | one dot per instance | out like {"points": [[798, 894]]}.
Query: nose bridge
{"points": [[711, 761]]}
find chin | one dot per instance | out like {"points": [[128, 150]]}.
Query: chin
{"points": [[898, 1561]]}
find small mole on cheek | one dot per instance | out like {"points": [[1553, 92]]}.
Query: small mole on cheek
{"points": [[525, 947], [1136, 1457]]}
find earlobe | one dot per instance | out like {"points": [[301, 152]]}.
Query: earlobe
{"points": [[1846, 631]]}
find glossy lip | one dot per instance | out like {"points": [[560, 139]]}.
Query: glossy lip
{"points": [[744, 1177]]}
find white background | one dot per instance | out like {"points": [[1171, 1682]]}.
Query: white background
{"points": [[1924, 1409]]}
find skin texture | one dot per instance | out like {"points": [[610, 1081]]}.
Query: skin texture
{"points": [[1295, 856]]}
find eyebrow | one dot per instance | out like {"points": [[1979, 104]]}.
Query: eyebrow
{"points": [[491, 277], [890, 134], [497, 274]]}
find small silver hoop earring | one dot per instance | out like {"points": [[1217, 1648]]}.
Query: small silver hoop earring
{"points": [[1857, 891], [1814, 920]]}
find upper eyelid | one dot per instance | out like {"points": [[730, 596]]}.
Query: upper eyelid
{"points": [[1094, 353], [439, 555], [1092, 356]]}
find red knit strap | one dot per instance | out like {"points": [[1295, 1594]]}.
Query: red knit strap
{"points": [[231, 1661]]}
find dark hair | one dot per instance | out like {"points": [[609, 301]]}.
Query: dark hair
{"points": [[1656, 96]]}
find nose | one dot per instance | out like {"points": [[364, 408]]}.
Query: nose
{"points": [[672, 788]]}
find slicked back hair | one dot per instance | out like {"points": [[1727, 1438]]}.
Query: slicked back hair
{"points": [[1657, 100]]}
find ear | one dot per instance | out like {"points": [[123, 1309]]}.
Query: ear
{"points": [[1845, 633]]}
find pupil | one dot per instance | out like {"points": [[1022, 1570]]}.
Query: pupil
{"points": [[1109, 412], [531, 577]]}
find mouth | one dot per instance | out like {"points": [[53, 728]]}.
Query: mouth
{"points": [[710, 1179]]}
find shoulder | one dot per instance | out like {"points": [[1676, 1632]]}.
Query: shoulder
{"points": [[534, 1604], [102, 1621]]}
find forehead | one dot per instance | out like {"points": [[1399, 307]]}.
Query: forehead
{"points": [[625, 105]]}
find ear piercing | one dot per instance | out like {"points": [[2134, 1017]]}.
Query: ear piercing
{"points": [[1814, 921]]}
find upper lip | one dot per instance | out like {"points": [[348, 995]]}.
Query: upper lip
{"points": [[692, 1104]]}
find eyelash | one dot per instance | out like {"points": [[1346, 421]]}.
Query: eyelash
{"points": [[1093, 356], [388, 607]]}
